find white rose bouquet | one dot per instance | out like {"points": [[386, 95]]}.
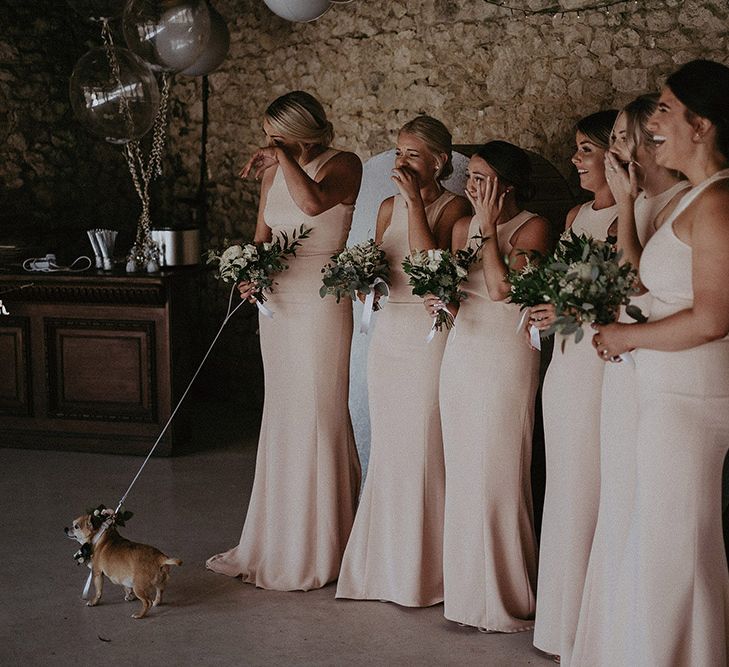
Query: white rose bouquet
{"points": [[258, 263], [440, 272]]}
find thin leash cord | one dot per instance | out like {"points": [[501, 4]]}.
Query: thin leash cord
{"points": [[228, 315]]}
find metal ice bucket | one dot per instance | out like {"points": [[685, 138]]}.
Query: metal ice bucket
{"points": [[178, 246]]}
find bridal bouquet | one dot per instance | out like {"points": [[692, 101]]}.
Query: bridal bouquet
{"points": [[584, 280], [590, 284], [440, 272], [361, 268], [258, 263]]}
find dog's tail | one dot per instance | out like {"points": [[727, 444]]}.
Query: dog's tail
{"points": [[171, 561]]}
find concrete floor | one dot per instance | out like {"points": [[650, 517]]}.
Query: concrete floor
{"points": [[191, 506]]}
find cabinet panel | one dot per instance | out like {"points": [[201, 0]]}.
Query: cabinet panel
{"points": [[100, 369], [14, 366]]}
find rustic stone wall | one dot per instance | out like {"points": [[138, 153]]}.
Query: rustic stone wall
{"points": [[485, 73]]}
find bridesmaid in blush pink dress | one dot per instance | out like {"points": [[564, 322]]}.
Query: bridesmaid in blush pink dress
{"points": [[672, 589], [644, 192], [395, 552], [571, 400], [488, 383], [307, 471]]}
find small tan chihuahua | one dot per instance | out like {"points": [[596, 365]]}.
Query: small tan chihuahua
{"points": [[141, 569]]}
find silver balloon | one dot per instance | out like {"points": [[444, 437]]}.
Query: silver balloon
{"points": [[299, 10], [169, 34], [118, 110], [215, 50], [95, 10]]}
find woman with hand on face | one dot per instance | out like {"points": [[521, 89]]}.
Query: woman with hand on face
{"points": [[672, 593], [644, 191], [307, 471], [488, 384], [571, 399], [395, 550]]}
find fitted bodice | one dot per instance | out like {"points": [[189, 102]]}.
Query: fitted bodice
{"points": [[476, 284], [396, 245], [594, 222], [282, 214], [647, 209], [666, 264]]}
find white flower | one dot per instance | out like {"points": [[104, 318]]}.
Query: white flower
{"points": [[231, 253], [461, 272]]}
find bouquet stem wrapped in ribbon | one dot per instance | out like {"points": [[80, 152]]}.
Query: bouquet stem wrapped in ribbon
{"points": [[359, 269], [258, 263], [585, 281], [440, 273]]}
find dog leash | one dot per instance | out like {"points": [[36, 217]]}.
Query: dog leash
{"points": [[110, 520]]}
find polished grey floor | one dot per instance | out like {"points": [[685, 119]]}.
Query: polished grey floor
{"points": [[190, 506]]}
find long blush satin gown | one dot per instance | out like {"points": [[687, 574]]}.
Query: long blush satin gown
{"points": [[618, 428], [307, 471], [671, 591], [488, 384], [395, 552], [571, 407]]}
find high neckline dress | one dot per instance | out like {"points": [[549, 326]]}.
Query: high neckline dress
{"points": [[488, 384], [395, 552], [307, 471], [571, 399], [618, 426]]}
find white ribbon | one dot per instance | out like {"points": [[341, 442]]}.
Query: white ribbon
{"points": [[369, 304], [431, 334], [263, 310], [534, 338], [626, 357]]}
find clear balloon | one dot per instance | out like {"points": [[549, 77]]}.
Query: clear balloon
{"points": [[215, 50], [117, 109], [169, 34], [299, 10], [95, 10]]}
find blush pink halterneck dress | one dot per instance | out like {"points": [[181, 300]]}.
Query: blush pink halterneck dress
{"points": [[670, 587], [307, 470], [488, 384], [395, 552], [571, 400], [618, 428]]}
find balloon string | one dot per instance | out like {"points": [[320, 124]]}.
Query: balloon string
{"points": [[144, 248]]}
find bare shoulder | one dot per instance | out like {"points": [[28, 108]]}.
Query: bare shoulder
{"points": [[572, 215], [459, 235], [712, 209], [345, 160], [386, 207], [457, 207]]}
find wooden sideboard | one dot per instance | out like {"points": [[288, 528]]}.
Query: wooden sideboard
{"points": [[96, 361]]}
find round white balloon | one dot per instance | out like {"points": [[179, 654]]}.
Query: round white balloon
{"points": [[216, 49], [299, 10]]}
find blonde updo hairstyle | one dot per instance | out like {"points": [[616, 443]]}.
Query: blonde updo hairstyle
{"points": [[300, 117], [436, 137]]}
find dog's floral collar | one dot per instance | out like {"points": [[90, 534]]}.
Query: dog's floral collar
{"points": [[83, 555], [103, 513]]}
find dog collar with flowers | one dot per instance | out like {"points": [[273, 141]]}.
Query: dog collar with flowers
{"points": [[98, 517]]}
